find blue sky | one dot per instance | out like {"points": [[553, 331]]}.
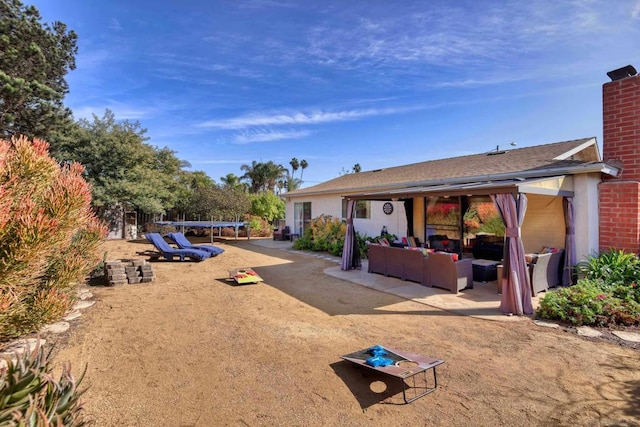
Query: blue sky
{"points": [[379, 83]]}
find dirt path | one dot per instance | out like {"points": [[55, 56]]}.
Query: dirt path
{"points": [[191, 350]]}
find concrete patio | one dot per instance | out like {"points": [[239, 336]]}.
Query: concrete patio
{"points": [[482, 301]]}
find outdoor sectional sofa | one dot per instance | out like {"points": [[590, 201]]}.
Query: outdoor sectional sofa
{"points": [[435, 270]]}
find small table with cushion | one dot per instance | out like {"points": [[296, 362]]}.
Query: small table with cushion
{"points": [[405, 366]]}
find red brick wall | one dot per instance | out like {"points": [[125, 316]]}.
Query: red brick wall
{"points": [[620, 215], [621, 126], [620, 196]]}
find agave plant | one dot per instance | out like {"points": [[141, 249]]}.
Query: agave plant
{"points": [[29, 395]]}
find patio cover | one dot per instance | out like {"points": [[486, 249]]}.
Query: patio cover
{"points": [[509, 197], [561, 185]]}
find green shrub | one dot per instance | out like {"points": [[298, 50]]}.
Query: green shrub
{"points": [[49, 235], [29, 395], [577, 305], [324, 234], [259, 227], [614, 267], [589, 302]]}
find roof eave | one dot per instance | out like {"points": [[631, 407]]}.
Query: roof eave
{"points": [[599, 167]]}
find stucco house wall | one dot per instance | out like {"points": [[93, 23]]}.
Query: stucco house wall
{"points": [[396, 223], [586, 214], [543, 223]]}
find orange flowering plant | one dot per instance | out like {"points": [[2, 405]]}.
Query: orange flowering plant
{"points": [[49, 235]]}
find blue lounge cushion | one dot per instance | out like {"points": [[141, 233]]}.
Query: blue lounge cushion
{"points": [[169, 252], [184, 243]]}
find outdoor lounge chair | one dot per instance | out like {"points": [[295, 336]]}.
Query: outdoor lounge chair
{"points": [[184, 243], [169, 252]]}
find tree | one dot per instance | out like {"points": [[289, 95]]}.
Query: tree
{"points": [[121, 167], [34, 59], [267, 206], [221, 203], [233, 181], [357, 168], [262, 176], [292, 183], [303, 166], [294, 166]]}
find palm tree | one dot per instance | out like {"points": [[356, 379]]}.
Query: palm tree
{"points": [[262, 176], [272, 172], [230, 180], [303, 166], [252, 174], [292, 183], [357, 168], [294, 166]]}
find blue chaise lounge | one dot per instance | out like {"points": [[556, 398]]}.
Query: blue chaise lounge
{"points": [[169, 252], [184, 243]]}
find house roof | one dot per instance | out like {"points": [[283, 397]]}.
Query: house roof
{"points": [[560, 158]]}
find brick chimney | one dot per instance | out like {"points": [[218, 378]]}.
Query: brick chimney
{"points": [[620, 196]]}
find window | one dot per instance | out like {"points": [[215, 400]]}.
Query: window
{"points": [[363, 209]]}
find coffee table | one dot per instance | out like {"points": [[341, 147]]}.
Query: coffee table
{"points": [[406, 366]]}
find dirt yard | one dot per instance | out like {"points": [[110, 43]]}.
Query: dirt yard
{"points": [[192, 350]]}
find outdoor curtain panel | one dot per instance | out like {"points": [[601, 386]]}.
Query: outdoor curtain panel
{"points": [[516, 288], [350, 250], [569, 242]]}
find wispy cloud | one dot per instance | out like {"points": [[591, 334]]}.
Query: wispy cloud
{"points": [[299, 118], [635, 10], [266, 135], [258, 4], [114, 24], [120, 111]]}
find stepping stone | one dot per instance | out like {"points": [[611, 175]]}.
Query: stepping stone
{"points": [[546, 324], [57, 328], [586, 331], [72, 316], [85, 295], [80, 305], [627, 336]]}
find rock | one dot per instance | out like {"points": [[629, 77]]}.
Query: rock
{"points": [[80, 305], [586, 331], [627, 336], [85, 295], [546, 324], [57, 328], [19, 347], [72, 316]]}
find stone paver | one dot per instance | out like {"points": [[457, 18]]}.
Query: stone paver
{"points": [[546, 324], [72, 316], [85, 295], [586, 331], [627, 336], [57, 328], [82, 305]]}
